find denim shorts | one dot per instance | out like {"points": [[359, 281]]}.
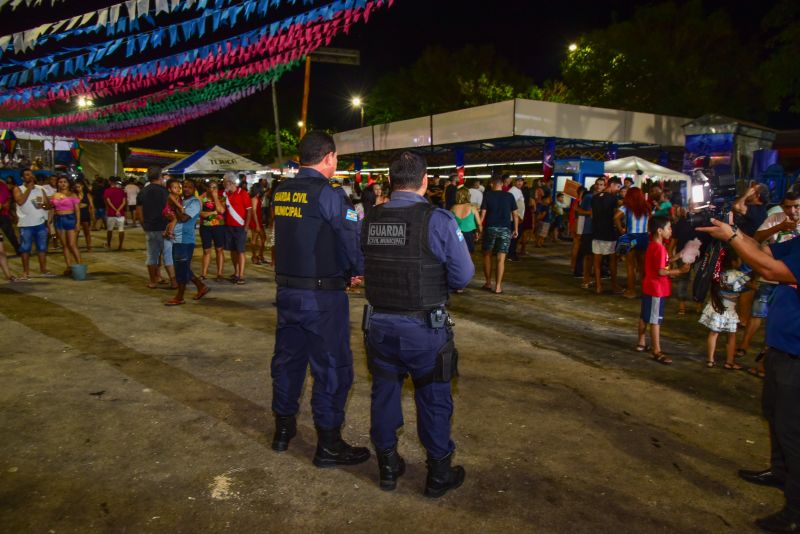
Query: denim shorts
{"points": [[65, 222], [496, 239], [182, 258], [156, 246], [28, 235], [761, 301]]}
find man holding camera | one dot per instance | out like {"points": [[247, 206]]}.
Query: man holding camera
{"points": [[779, 262]]}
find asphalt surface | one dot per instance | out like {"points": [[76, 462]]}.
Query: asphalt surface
{"points": [[119, 414]]}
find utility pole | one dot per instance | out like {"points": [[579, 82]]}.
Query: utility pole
{"points": [[342, 56], [277, 125]]}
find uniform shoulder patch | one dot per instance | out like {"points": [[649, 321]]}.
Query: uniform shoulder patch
{"points": [[460, 234], [352, 215]]}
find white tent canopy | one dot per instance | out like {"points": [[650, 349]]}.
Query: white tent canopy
{"points": [[632, 165], [214, 160]]}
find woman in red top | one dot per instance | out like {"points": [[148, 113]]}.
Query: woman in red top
{"points": [[258, 237]]}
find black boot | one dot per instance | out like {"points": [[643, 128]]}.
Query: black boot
{"points": [[391, 466], [442, 477], [333, 451], [285, 430]]}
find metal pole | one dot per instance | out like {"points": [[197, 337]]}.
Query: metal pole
{"points": [[306, 87], [53, 154], [277, 124], [362, 115], [116, 155]]}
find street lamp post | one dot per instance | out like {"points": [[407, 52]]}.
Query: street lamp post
{"points": [[358, 103]]}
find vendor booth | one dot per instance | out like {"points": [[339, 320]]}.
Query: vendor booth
{"points": [[640, 170], [214, 161]]}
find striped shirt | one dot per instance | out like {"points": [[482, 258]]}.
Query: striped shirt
{"points": [[634, 224]]}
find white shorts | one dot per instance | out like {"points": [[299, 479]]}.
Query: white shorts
{"points": [[603, 248], [115, 223], [544, 229]]}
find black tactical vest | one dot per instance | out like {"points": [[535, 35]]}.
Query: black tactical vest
{"points": [[400, 271], [305, 245]]}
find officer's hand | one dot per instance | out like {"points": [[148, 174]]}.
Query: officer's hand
{"points": [[356, 281]]}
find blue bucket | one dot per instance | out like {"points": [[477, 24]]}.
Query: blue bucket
{"points": [[79, 271]]}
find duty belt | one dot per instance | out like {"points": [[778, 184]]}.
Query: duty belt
{"points": [[296, 282], [416, 314]]}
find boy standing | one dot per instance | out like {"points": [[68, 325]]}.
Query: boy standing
{"points": [[656, 287]]}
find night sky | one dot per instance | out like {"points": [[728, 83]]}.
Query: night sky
{"points": [[532, 35]]}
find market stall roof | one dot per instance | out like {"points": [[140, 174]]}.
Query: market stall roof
{"points": [[214, 160], [511, 121], [633, 164]]}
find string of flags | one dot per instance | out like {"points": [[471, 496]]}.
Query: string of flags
{"points": [[172, 89]]}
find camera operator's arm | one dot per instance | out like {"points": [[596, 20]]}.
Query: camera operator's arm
{"points": [[751, 252], [740, 206]]}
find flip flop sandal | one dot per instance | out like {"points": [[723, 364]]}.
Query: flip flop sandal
{"points": [[662, 358], [487, 288], [755, 372], [202, 293], [711, 365], [733, 367], [240, 282], [498, 292], [174, 302], [740, 353], [642, 348]]}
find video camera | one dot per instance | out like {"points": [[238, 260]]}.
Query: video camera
{"points": [[712, 195]]}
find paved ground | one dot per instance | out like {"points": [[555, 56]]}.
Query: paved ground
{"points": [[122, 415]]}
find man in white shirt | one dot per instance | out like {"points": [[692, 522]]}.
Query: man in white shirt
{"points": [[131, 192], [519, 198], [776, 228], [33, 206], [475, 194]]}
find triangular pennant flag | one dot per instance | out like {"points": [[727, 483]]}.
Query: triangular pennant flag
{"points": [[102, 17], [72, 22], [113, 13], [143, 6], [87, 17], [143, 39], [173, 35], [201, 26], [130, 5], [162, 5], [188, 28], [155, 40], [174, 5], [130, 47]]}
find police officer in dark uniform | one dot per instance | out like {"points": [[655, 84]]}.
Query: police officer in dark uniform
{"points": [[317, 253], [414, 255], [781, 394]]}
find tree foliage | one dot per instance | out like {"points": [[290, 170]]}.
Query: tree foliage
{"points": [[669, 58], [268, 148], [442, 81], [781, 67]]}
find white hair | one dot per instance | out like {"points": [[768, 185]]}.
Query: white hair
{"points": [[231, 177]]}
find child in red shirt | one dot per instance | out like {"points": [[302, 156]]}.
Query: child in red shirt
{"points": [[656, 286]]}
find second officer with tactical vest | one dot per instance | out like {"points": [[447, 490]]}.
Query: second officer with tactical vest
{"points": [[414, 256]]}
